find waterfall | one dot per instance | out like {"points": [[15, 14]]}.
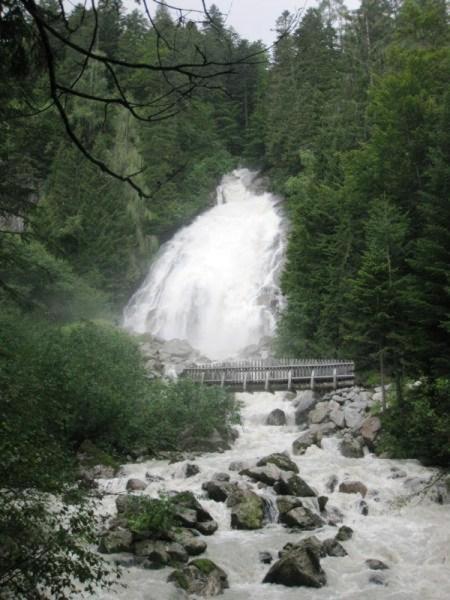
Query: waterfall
{"points": [[215, 284]]}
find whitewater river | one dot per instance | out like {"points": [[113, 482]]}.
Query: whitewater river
{"points": [[215, 284], [411, 535]]}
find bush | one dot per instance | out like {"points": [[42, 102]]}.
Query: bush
{"points": [[156, 515], [419, 425]]}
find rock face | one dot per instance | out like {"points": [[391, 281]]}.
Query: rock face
{"points": [[247, 509], [201, 577], [298, 566], [276, 417]]}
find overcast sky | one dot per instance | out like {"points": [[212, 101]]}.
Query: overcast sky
{"points": [[253, 19]]}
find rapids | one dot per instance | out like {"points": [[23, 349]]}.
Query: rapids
{"points": [[411, 535], [215, 283]]}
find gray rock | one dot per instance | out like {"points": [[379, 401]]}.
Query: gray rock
{"points": [[344, 533], [301, 518], [277, 418], [269, 474], [305, 402], [331, 547], [300, 566], [116, 540], [337, 416], [323, 501], [304, 441], [287, 503], [161, 553], [281, 460], [136, 485], [207, 527], [218, 490], [320, 413], [247, 509], [190, 470], [376, 565], [351, 447], [363, 508], [237, 465], [353, 418], [265, 557], [370, 430], [331, 483], [290, 484], [202, 577], [220, 477], [190, 541], [378, 578], [353, 487]]}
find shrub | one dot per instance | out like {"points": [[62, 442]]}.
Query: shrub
{"points": [[156, 515]]}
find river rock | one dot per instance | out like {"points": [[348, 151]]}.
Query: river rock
{"points": [[304, 441], [218, 490], [191, 514], [353, 418], [299, 566], [331, 547], [301, 518], [190, 541], [304, 402], [207, 527], [290, 484], [160, 552], [287, 503], [280, 460], [190, 470], [269, 474], [353, 487], [201, 577], [331, 483], [265, 557], [363, 508], [376, 565], [276, 417], [337, 415], [351, 447], [344, 533], [370, 430], [116, 540], [220, 477], [135, 485], [237, 465], [319, 414], [247, 509]]}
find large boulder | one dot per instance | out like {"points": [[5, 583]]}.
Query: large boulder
{"points": [[280, 460], [337, 415], [298, 566], [370, 430], [351, 447], [319, 414], [331, 547], [276, 417], [353, 418], [269, 474], [290, 484], [201, 577], [304, 441], [218, 490], [161, 553], [301, 518], [190, 513], [247, 509], [190, 541], [116, 540], [135, 485], [305, 402], [287, 503], [353, 487]]}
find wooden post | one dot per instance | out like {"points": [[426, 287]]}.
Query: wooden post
{"points": [[335, 379], [203, 377], [312, 379], [266, 384], [290, 380], [244, 385], [222, 379]]}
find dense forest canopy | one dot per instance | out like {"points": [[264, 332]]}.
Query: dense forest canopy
{"points": [[115, 127]]}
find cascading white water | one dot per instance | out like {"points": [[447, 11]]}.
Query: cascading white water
{"points": [[215, 283]]}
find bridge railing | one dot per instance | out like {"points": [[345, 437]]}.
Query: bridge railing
{"points": [[274, 374]]}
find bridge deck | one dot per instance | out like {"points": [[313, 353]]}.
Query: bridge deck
{"points": [[274, 374]]}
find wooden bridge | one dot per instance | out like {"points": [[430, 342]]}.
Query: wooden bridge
{"points": [[274, 374]]}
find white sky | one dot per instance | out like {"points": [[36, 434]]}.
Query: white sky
{"points": [[252, 19]]}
